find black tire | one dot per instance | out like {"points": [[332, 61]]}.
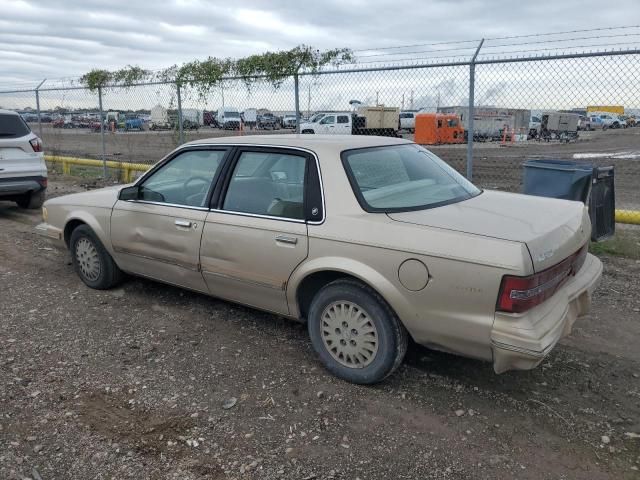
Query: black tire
{"points": [[109, 274], [392, 337], [32, 200]]}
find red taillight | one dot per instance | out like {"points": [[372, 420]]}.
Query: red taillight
{"points": [[36, 144], [43, 182], [519, 294]]}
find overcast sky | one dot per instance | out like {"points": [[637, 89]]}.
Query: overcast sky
{"points": [[45, 39]]}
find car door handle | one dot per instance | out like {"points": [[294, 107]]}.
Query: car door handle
{"points": [[285, 239], [182, 223]]}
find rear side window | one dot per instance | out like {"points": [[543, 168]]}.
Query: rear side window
{"points": [[268, 183], [13, 126]]}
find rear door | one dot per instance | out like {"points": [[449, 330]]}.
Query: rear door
{"points": [[257, 233], [343, 124], [17, 157]]}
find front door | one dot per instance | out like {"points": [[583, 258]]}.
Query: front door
{"points": [[257, 234], [158, 233], [327, 125]]}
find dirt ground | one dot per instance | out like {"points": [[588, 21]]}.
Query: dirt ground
{"points": [[495, 165], [149, 381]]}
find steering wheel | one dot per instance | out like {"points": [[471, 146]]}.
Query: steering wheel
{"points": [[205, 181]]}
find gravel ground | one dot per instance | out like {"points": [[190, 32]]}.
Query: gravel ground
{"points": [[148, 381]]}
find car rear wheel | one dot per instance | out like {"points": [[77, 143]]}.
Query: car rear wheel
{"points": [[91, 261], [32, 200], [355, 333]]}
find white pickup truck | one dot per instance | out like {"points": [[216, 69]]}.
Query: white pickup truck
{"points": [[382, 121]]}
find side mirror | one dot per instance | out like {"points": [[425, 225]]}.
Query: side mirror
{"points": [[130, 193]]}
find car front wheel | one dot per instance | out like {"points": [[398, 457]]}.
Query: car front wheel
{"points": [[91, 261], [356, 334]]}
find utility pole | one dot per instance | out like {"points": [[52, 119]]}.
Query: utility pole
{"points": [[402, 108], [411, 101], [377, 97]]}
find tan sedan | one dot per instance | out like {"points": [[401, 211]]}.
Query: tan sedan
{"points": [[369, 240]]}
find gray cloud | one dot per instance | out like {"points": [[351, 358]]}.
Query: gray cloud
{"points": [[40, 38]]}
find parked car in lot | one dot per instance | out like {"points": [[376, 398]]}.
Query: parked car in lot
{"points": [[630, 120], [610, 120], [229, 118], [268, 121], [584, 123], [23, 172], [289, 121], [370, 240]]}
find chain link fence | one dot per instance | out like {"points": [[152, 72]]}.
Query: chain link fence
{"points": [[488, 115]]}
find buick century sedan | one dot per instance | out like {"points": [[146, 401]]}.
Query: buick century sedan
{"points": [[369, 240]]}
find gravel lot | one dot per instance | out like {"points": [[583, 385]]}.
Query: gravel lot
{"points": [[148, 381]]}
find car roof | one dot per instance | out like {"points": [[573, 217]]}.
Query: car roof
{"points": [[336, 143], [8, 112]]}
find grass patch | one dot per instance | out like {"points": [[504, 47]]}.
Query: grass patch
{"points": [[625, 243]]}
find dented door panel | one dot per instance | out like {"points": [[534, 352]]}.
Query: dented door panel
{"points": [[159, 241]]}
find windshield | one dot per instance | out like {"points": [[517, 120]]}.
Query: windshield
{"points": [[231, 114], [404, 177], [316, 117]]}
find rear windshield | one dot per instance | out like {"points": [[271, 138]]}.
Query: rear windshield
{"points": [[13, 126], [404, 177]]}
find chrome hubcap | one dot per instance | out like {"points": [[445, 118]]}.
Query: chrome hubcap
{"points": [[88, 259], [349, 334]]}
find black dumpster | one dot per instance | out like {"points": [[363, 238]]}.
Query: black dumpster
{"points": [[587, 183]]}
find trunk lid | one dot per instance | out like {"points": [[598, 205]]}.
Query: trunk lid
{"points": [[552, 229]]}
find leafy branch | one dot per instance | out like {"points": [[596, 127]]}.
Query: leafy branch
{"points": [[125, 77], [203, 75]]}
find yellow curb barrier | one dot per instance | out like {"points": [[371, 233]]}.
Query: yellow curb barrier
{"points": [[127, 168]]}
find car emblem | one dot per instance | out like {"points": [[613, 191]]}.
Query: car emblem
{"points": [[544, 256]]}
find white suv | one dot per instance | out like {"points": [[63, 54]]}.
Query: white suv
{"points": [[23, 173]]}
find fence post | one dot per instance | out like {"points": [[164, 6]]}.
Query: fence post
{"points": [[180, 129], [38, 107], [104, 147], [471, 113], [296, 92]]}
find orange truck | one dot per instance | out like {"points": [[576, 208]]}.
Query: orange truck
{"points": [[438, 128]]}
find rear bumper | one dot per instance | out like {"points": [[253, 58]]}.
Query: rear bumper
{"points": [[21, 185], [521, 342]]}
